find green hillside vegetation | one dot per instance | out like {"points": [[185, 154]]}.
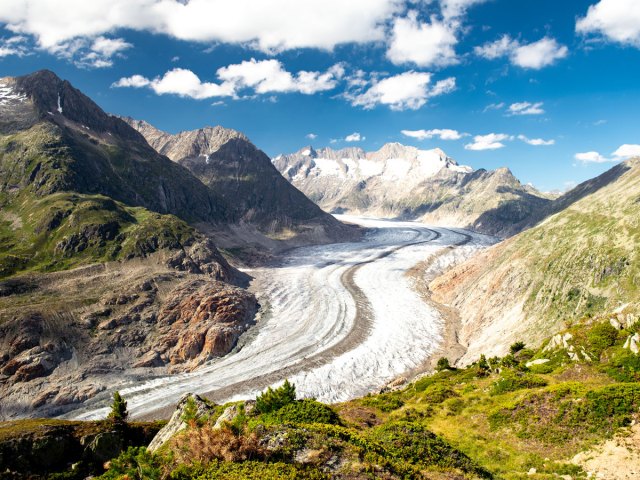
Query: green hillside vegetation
{"points": [[496, 418], [84, 187], [585, 259], [64, 230]]}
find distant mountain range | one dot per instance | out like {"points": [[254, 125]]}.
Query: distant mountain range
{"points": [[404, 182]]}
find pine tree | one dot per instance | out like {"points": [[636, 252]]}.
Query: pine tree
{"points": [[119, 411]]}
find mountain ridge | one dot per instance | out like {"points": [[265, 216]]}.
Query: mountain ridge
{"points": [[243, 175], [405, 182]]}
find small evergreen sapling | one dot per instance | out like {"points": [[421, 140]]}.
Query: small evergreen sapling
{"points": [[443, 364], [119, 411]]}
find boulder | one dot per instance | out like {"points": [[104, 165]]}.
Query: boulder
{"points": [[633, 343], [104, 446], [539, 361], [176, 423]]}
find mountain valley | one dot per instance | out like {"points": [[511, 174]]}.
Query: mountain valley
{"points": [[161, 266]]}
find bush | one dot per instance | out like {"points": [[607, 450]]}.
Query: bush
{"points": [[511, 382], [438, 393], [136, 463], [516, 347], [204, 444], [413, 443], [601, 337], [443, 364], [386, 402], [250, 470], [624, 367], [190, 412], [482, 368], [509, 361], [307, 411], [272, 400]]}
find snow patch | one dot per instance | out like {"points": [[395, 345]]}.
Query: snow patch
{"points": [[8, 95], [327, 167], [306, 152], [370, 168], [59, 105], [396, 169]]}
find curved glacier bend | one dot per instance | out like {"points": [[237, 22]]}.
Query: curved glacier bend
{"points": [[341, 320]]}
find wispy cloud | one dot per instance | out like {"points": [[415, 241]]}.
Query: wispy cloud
{"points": [[536, 55], [443, 134], [536, 142], [526, 108]]}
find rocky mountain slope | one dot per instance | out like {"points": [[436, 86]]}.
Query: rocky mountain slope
{"points": [[576, 264], [102, 273], [404, 182], [227, 162]]}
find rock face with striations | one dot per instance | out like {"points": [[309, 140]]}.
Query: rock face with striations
{"points": [[405, 182]]}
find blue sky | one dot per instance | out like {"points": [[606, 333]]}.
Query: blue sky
{"points": [[548, 88]]}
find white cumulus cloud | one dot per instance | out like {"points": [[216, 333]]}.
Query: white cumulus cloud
{"points": [[443, 134], [405, 91], [616, 20], [536, 55], [526, 108], [275, 25], [181, 82], [491, 141], [311, 136], [536, 142], [265, 76], [627, 151], [109, 46], [421, 43], [591, 157], [270, 76], [623, 152], [456, 8]]}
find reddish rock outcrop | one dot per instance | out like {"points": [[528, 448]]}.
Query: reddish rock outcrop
{"points": [[204, 320]]}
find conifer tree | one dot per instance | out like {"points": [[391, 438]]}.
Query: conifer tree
{"points": [[119, 411]]}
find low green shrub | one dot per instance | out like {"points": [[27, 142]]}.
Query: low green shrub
{"points": [[386, 402], [600, 337], [413, 443], [624, 366], [510, 381], [271, 400], [250, 470], [135, 463], [307, 411]]}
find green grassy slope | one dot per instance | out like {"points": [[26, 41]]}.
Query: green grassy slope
{"points": [[576, 264]]}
